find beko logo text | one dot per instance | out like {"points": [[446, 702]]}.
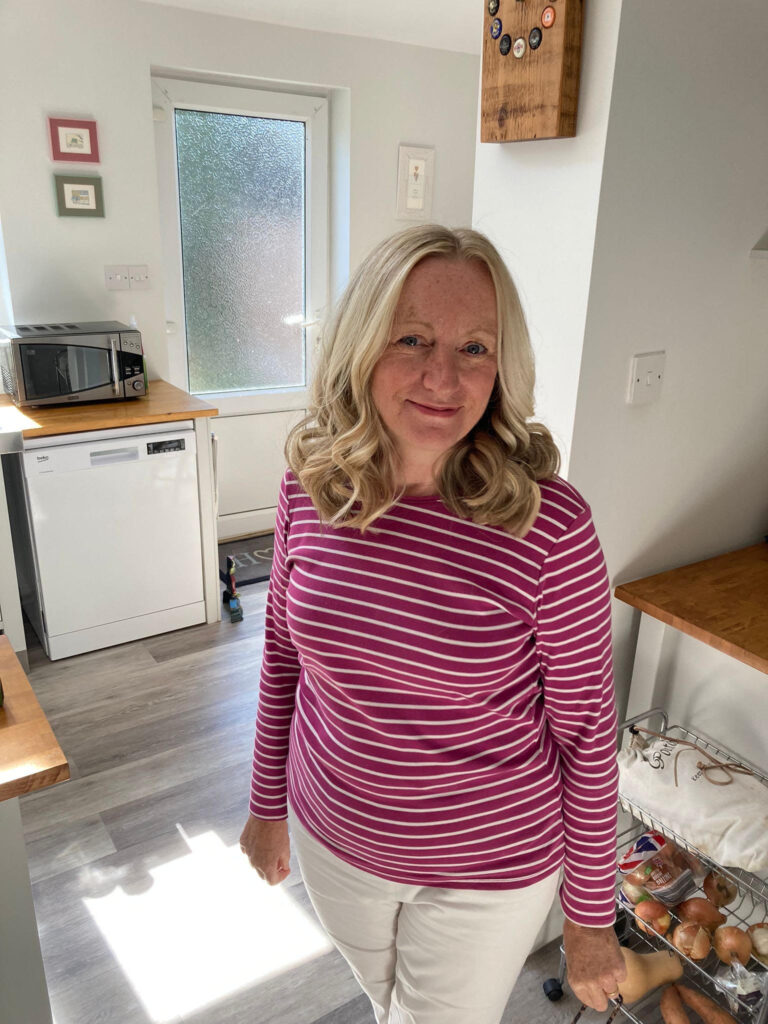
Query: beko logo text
{"points": [[42, 458]]}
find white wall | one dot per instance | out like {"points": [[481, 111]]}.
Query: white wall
{"points": [[538, 202], [683, 201], [635, 236], [83, 59], [92, 59]]}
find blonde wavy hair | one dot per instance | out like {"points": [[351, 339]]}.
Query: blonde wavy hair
{"points": [[341, 452]]}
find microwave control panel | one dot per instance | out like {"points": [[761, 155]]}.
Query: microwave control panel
{"points": [[132, 364], [130, 342]]}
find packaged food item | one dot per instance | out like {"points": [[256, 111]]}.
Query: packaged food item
{"points": [[630, 894], [645, 864], [685, 859], [740, 984], [624, 900]]}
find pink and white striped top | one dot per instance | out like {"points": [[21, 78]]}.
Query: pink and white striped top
{"points": [[437, 697]]}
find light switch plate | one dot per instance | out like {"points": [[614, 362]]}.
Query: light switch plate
{"points": [[139, 276], [646, 377], [116, 278]]}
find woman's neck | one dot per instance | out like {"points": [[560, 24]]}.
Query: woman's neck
{"points": [[421, 490], [419, 477]]}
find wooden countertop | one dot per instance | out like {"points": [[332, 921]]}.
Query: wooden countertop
{"points": [[164, 403], [30, 757], [722, 601]]}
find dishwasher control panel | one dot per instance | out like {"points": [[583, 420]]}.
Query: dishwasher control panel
{"points": [[174, 444]]}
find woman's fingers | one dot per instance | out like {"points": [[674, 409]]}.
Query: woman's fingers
{"points": [[594, 996], [596, 967], [590, 995], [274, 874]]}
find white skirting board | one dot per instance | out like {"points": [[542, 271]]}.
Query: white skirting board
{"points": [[245, 524], [96, 637]]}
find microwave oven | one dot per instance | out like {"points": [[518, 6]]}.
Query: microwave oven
{"points": [[51, 364]]}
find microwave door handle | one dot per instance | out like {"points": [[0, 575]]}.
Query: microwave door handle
{"points": [[116, 383]]}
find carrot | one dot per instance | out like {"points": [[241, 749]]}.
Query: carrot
{"points": [[671, 1007], [708, 1010]]}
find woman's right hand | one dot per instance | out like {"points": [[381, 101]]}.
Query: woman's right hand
{"points": [[268, 848]]}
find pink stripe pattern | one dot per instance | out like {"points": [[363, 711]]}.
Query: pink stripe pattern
{"points": [[436, 697]]}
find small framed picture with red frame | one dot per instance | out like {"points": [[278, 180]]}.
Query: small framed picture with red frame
{"points": [[74, 140]]}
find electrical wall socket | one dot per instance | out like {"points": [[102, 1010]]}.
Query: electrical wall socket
{"points": [[139, 276], [116, 278], [646, 375]]}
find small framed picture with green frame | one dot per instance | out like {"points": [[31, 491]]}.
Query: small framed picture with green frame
{"points": [[79, 196]]}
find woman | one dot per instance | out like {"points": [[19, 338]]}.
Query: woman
{"points": [[436, 714]]}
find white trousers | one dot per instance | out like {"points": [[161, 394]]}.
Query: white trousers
{"points": [[424, 955]]}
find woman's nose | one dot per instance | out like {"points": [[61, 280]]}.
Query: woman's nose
{"points": [[441, 372]]}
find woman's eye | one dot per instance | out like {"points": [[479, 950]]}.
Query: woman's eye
{"points": [[410, 341], [474, 348]]}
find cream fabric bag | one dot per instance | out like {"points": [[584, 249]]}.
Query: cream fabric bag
{"points": [[727, 823]]}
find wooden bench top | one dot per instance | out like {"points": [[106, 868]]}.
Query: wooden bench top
{"points": [[722, 601], [164, 403], [30, 756]]}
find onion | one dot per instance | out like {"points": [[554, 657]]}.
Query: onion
{"points": [[671, 851], [758, 933], [654, 917], [698, 869], [634, 893], [700, 911], [731, 944], [692, 940], [719, 889]]}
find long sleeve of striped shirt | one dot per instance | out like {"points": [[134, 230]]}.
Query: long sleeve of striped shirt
{"points": [[573, 639], [277, 686]]}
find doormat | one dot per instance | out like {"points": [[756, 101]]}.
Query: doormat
{"points": [[252, 557]]}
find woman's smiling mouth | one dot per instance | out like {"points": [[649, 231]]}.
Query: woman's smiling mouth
{"points": [[443, 412]]}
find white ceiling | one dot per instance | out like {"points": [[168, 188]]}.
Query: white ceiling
{"points": [[443, 24]]}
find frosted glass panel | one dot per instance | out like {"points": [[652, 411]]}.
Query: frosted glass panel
{"points": [[241, 190]]}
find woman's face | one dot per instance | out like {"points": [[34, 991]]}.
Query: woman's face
{"points": [[435, 377]]}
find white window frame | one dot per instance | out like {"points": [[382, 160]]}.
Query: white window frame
{"points": [[170, 94]]}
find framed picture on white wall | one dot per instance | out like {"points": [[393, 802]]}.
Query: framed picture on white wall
{"points": [[415, 177], [78, 196], [73, 140]]}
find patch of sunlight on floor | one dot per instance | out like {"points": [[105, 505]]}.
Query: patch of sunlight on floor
{"points": [[206, 927]]}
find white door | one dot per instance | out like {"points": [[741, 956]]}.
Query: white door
{"points": [[242, 178]]}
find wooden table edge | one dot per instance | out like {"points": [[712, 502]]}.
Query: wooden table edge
{"points": [[622, 593], [21, 775], [41, 779]]}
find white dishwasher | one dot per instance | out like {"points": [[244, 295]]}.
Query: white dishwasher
{"points": [[107, 535]]}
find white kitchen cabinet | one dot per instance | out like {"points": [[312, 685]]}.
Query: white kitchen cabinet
{"points": [[250, 465]]}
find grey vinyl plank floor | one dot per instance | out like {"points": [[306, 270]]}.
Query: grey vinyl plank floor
{"points": [[147, 911]]}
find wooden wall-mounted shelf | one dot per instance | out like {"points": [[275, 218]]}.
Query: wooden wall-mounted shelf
{"points": [[531, 67]]}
